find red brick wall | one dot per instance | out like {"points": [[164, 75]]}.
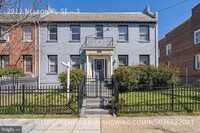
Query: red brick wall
{"points": [[182, 41], [16, 48]]}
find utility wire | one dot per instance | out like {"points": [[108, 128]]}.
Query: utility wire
{"points": [[161, 10], [164, 9]]}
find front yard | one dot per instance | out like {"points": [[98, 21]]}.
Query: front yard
{"points": [[184, 99]]}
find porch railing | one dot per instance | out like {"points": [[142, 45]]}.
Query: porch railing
{"points": [[99, 42]]}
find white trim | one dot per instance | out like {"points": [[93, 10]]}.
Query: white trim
{"points": [[25, 57], [24, 34], [48, 29], [8, 33], [169, 47], [123, 33], [196, 63], [99, 32], [49, 68], [75, 26], [195, 39]]}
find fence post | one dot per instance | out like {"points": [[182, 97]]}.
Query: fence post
{"points": [[23, 98], [96, 78], [172, 96]]}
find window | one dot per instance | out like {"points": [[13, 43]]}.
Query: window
{"points": [[123, 60], [99, 31], [53, 63], [144, 59], [168, 49], [27, 33], [144, 33], [75, 31], [197, 62], [52, 33], [197, 37], [5, 61], [123, 33], [75, 61], [4, 33], [28, 64], [168, 63]]}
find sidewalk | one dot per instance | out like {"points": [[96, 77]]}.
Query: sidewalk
{"points": [[168, 124]]}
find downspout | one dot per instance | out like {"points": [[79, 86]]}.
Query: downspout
{"points": [[38, 53], [35, 50], [156, 42]]}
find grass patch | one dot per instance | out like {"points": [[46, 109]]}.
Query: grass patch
{"points": [[39, 101], [184, 100], [158, 114], [33, 116]]}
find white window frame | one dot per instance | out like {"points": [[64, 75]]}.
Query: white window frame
{"points": [[52, 26], [75, 26], [126, 60], [127, 36], [169, 49], [6, 28], [197, 59], [148, 59], [101, 26], [49, 64], [195, 37], [168, 63], [25, 32], [3, 60], [77, 56], [27, 56], [146, 34]]}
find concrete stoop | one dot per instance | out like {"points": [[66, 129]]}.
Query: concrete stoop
{"points": [[96, 107]]}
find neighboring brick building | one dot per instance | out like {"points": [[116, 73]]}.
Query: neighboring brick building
{"points": [[181, 46], [19, 45]]}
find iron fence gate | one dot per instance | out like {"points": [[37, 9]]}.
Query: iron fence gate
{"points": [[95, 87]]}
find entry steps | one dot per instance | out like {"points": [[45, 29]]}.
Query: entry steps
{"points": [[96, 107]]}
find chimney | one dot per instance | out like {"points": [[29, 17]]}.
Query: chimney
{"points": [[148, 12], [196, 10]]}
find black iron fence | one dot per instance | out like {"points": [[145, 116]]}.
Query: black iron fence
{"points": [[176, 98], [19, 96]]}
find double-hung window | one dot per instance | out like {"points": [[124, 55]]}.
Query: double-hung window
{"points": [[28, 64], [99, 31], [144, 60], [123, 33], [144, 33], [75, 33], [197, 37], [4, 33], [5, 61], [123, 60], [197, 62], [75, 61], [53, 63], [52, 32], [168, 49], [27, 33]]}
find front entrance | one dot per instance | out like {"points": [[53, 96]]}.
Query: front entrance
{"points": [[100, 68], [94, 87]]}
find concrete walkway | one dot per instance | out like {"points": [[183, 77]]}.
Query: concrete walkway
{"points": [[168, 124]]}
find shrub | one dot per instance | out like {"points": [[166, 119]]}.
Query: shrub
{"points": [[146, 76], [127, 76], [12, 71], [75, 78]]}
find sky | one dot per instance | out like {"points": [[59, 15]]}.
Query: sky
{"points": [[168, 19]]}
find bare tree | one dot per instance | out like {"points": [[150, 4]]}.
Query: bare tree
{"points": [[14, 13]]}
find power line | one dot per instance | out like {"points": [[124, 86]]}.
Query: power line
{"points": [[164, 9], [161, 10]]}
